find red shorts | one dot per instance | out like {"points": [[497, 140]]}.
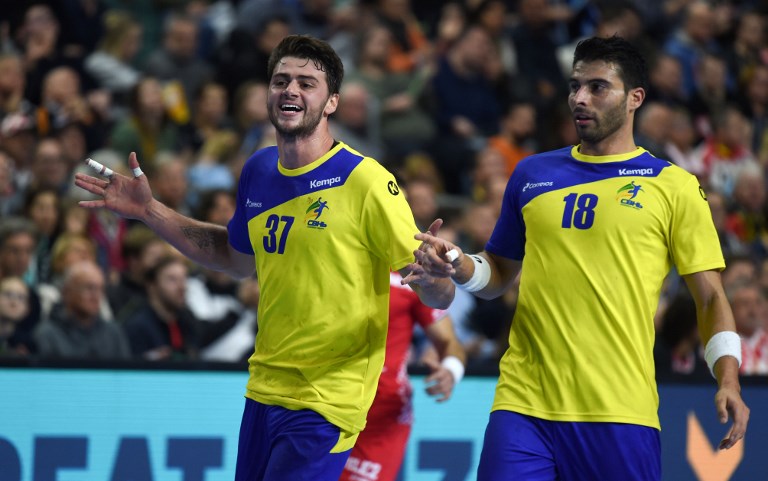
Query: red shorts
{"points": [[378, 453]]}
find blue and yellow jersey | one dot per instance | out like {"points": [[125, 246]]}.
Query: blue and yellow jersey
{"points": [[596, 236], [325, 237]]}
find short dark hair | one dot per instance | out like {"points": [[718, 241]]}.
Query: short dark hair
{"points": [[317, 51], [154, 272], [633, 69]]}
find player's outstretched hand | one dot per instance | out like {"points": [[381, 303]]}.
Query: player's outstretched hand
{"points": [[440, 382], [436, 256], [728, 401], [127, 197]]}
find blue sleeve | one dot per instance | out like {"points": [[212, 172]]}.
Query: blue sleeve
{"points": [[508, 237], [238, 225]]}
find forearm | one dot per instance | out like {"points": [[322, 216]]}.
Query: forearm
{"points": [[204, 243], [502, 273], [438, 294]]}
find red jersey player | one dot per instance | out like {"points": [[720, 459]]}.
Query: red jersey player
{"points": [[379, 450]]}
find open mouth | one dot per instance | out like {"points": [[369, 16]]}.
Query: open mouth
{"points": [[582, 119], [290, 108]]}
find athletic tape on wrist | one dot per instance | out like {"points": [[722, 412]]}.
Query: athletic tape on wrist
{"points": [[723, 343], [455, 366], [479, 278]]}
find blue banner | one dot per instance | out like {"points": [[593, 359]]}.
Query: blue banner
{"points": [[125, 425]]}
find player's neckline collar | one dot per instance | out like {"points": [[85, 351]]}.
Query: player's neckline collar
{"points": [[602, 159]]}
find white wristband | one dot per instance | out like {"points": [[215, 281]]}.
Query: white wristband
{"points": [[479, 278], [723, 343], [455, 366]]}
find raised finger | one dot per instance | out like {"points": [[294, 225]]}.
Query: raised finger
{"points": [[133, 163], [100, 168]]}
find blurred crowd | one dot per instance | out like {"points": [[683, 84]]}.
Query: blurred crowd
{"points": [[449, 95]]}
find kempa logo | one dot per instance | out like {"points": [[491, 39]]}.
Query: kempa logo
{"points": [[635, 171], [528, 185], [324, 182], [250, 203]]}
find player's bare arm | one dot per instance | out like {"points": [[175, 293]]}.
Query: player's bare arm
{"points": [[714, 316], [206, 244], [445, 374]]}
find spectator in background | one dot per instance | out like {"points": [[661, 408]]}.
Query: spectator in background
{"points": [[14, 308], [681, 143], [18, 239], [171, 185], [711, 93], [489, 165], [68, 250], [729, 242], [63, 103], [243, 56], [536, 50], [111, 65], [410, 48], [422, 197], [748, 303], [251, 120], [726, 151], [141, 249], [740, 268], [12, 85], [147, 130], [467, 108], [38, 40], [518, 129], [406, 126], [748, 48], [10, 196], [76, 329], [754, 104], [164, 329], [50, 169], [652, 127], [678, 349], [493, 16], [177, 63], [665, 79], [694, 37], [747, 218], [209, 116], [356, 120], [43, 208]]}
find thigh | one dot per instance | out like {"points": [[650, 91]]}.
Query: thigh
{"points": [[516, 447], [608, 451], [278, 444], [378, 453]]}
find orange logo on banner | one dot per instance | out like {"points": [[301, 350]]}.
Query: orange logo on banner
{"points": [[708, 462]]}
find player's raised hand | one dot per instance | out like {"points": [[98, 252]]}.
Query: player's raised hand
{"points": [[126, 196], [440, 381], [728, 401]]}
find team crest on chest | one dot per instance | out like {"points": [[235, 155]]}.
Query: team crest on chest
{"points": [[315, 210], [628, 195]]}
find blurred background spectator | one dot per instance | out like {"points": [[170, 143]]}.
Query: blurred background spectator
{"points": [[164, 328], [76, 328]]}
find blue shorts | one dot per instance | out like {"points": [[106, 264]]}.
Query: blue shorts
{"points": [[526, 448], [278, 444]]}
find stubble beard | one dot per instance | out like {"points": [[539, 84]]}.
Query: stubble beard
{"points": [[606, 126], [306, 127]]}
